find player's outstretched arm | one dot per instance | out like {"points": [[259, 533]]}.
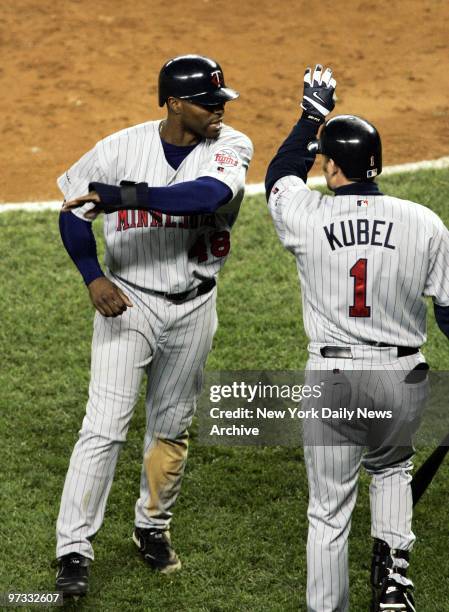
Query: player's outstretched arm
{"points": [[202, 195], [293, 157]]}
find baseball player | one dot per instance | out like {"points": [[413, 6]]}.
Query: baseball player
{"points": [[365, 261], [170, 191]]}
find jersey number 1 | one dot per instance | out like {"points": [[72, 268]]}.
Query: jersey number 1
{"points": [[358, 273]]}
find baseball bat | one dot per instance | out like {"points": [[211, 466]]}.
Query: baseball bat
{"points": [[424, 475]]}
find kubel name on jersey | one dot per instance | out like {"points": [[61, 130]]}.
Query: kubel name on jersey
{"points": [[350, 232]]}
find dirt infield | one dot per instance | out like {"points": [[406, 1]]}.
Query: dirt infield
{"points": [[75, 71]]}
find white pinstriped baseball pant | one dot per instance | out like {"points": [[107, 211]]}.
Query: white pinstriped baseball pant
{"points": [[333, 470], [169, 342]]}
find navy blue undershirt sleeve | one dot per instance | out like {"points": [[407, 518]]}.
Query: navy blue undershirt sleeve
{"points": [[79, 241], [293, 158], [203, 195], [442, 318]]}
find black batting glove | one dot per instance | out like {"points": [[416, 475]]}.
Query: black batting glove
{"points": [[318, 97]]}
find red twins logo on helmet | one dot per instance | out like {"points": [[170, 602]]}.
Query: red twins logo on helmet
{"points": [[217, 78]]}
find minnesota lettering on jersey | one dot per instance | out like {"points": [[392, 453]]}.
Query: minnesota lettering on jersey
{"points": [[350, 232], [129, 219]]}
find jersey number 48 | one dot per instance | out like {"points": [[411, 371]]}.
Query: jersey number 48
{"points": [[219, 246]]}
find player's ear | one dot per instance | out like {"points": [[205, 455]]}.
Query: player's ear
{"points": [[332, 167], [174, 105], [329, 166]]}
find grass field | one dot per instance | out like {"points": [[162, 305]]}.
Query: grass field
{"points": [[240, 523]]}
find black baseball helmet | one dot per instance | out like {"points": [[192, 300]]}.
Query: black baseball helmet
{"points": [[194, 78], [353, 143]]}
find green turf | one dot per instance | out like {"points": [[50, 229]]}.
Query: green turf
{"points": [[240, 522]]}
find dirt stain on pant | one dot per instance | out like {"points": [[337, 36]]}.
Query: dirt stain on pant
{"points": [[164, 466]]}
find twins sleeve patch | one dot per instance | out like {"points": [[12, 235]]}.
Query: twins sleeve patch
{"points": [[226, 157]]}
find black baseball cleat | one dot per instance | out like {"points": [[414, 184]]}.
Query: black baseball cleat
{"points": [[155, 547], [396, 596], [72, 578], [391, 589]]}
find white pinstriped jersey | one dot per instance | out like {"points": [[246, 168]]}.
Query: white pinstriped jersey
{"points": [[364, 262], [158, 251]]}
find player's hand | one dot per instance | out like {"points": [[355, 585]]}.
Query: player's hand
{"points": [[318, 96], [108, 299], [91, 197]]}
